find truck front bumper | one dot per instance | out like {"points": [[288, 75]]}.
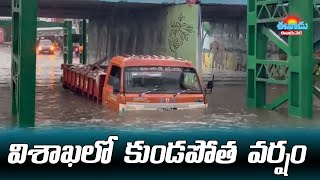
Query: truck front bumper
{"points": [[160, 106]]}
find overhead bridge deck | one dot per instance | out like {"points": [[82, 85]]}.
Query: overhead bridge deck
{"points": [[80, 9], [171, 27]]}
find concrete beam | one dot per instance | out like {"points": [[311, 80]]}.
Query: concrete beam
{"points": [[216, 12], [77, 9], [46, 2], [229, 2], [91, 8], [225, 2]]}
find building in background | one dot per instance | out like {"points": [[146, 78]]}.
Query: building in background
{"points": [[3, 18], [6, 31], [46, 19], [58, 20], [75, 23]]}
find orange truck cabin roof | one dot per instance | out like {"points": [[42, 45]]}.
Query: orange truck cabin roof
{"points": [[124, 61]]}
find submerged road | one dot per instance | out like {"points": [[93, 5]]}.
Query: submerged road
{"points": [[58, 107]]}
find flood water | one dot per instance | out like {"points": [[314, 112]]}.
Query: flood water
{"points": [[58, 107]]}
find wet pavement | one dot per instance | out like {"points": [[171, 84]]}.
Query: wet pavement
{"points": [[58, 107]]}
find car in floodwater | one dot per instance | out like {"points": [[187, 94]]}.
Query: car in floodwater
{"points": [[45, 46]]}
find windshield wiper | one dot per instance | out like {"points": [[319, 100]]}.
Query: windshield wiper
{"points": [[150, 91], [182, 92]]}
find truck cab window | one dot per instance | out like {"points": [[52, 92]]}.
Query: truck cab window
{"points": [[115, 76], [189, 80]]}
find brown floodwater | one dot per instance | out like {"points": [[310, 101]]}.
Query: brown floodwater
{"points": [[56, 107]]}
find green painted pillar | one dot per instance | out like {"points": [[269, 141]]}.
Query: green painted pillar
{"points": [[256, 49], [84, 26], [24, 18], [67, 43], [261, 53], [251, 58], [301, 62]]}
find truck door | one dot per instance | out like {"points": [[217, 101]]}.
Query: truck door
{"points": [[112, 88]]}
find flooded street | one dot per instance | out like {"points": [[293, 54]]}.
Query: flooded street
{"points": [[58, 107]]}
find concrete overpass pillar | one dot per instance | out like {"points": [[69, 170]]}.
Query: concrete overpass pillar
{"points": [[183, 39]]}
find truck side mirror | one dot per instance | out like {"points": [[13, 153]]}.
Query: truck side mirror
{"points": [[209, 87]]}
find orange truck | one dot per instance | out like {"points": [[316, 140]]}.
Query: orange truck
{"points": [[131, 83]]}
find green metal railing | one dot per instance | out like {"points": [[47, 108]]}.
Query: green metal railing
{"points": [[83, 26], [67, 43], [296, 71], [24, 33]]}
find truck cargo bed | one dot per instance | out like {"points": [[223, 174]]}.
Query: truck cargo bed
{"points": [[84, 80]]}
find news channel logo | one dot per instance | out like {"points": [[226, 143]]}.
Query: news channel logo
{"points": [[292, 26]]}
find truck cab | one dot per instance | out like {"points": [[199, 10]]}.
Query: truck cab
{"points": [[153, 83]]}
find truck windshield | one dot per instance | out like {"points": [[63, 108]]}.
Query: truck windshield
{"points": [[164, 79]]}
